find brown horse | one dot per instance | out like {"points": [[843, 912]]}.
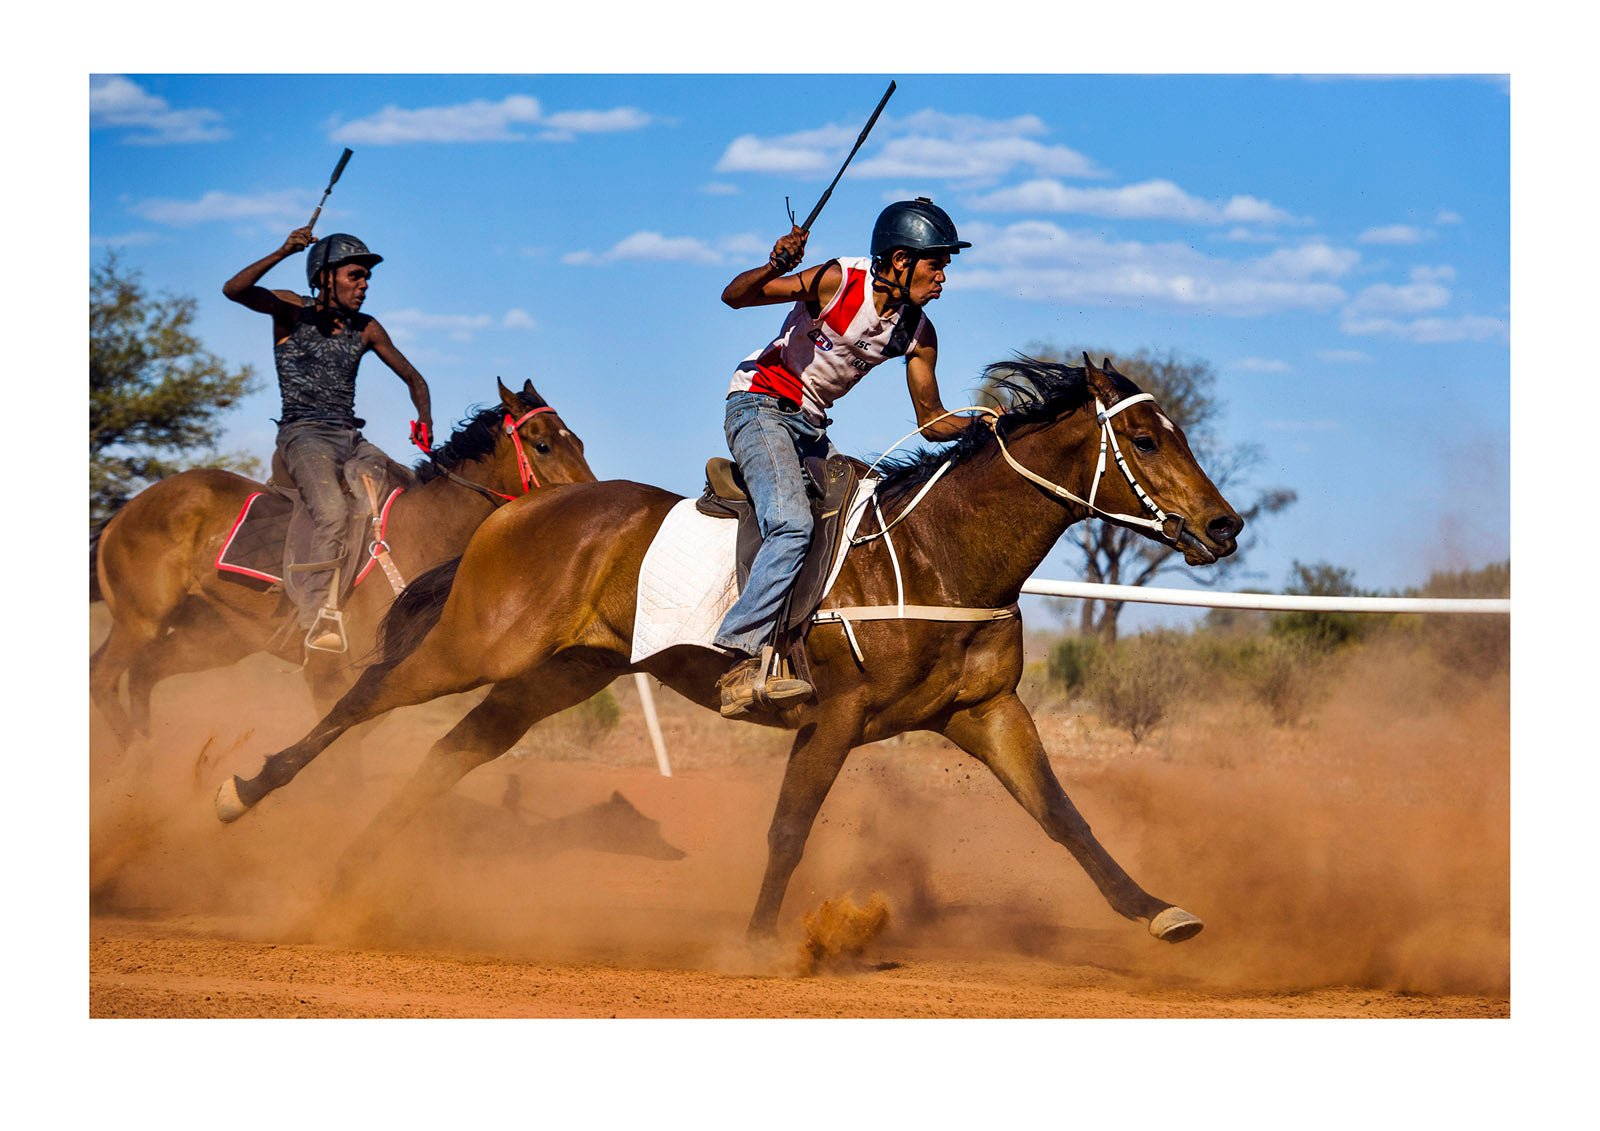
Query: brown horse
{"points": [[542, 607], [172, 611]]}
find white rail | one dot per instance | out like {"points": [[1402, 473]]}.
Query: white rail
{"points": [[1274, 602]]}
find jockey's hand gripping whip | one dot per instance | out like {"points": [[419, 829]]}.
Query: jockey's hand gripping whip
{"points": [[784, 263]]}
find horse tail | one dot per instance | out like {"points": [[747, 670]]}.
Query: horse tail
{"points": [[415, 612]]}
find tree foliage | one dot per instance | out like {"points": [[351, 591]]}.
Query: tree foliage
{"points": [[155, 392], [1112, 555], [1319, 629]]}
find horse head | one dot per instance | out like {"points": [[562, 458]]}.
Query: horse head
{"points": [[1157, 483], [544, 449]]}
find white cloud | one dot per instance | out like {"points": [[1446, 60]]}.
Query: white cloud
{"points": [[1039, 260], [480, 120], [922, 156], [1247, 235], [128, 239], [289, 204], [517, 319], [1430, 331], [598, 121], [1261, 365], [1147, 200], [1343, 355], [648, 246], [406, 324], [718, 188], [117, 102], [1425, 292], [1398, 234], [927, 144], [1447, 218]]}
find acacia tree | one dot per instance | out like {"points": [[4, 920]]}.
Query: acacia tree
{"points": [[1113, 555], [155, 392]]}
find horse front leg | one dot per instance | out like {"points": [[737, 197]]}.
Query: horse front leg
{"points": [[1000, 733], [820, 748]]}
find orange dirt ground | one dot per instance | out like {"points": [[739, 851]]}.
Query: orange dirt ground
{"points": [[1354, 866]]}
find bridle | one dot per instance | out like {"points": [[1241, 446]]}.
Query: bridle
{"points": [[524, 465], [1108, 441]]}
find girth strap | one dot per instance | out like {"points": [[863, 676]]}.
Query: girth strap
{"points": [[843, 617]]}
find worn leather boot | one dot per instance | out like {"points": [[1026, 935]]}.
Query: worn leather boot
{"points": [[738, 689]]}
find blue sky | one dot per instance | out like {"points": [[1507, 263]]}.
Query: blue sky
{"points": [[1337, 248]]}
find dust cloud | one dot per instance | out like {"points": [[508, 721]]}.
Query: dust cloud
{"points": [[1366, 847]]}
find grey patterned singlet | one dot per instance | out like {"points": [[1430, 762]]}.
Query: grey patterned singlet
{"points": [[317, 371]]}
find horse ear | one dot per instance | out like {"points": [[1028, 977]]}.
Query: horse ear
{"points": [[1104, 389], [508, 399], [530, 394]]}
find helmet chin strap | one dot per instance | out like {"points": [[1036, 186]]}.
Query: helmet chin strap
{"points": [[899, 294]]}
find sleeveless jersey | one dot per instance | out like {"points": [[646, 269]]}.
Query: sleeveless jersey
{"points": [[317, 370], [816, 359]]}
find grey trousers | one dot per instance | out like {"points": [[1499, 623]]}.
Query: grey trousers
{"points": [[315, 453]]}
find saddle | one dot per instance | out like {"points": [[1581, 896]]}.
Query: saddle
{"points": [[274, 529], [830, 484]]}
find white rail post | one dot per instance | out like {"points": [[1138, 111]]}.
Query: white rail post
{"points": [[653, 724]]}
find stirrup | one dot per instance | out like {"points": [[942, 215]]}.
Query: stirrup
{"points": [[329, 622]]}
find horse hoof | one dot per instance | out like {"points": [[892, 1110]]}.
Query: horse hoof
{"points": [[1175, 924], [230, 806]]}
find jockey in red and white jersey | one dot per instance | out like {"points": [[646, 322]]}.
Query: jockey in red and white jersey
{"points": [[818, 357], [849, 315]]}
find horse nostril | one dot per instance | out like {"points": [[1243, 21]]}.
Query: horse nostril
{"points": [[1225, 528]]}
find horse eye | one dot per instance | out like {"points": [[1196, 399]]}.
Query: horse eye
{"points": [[542, 448], [1144, 443]]}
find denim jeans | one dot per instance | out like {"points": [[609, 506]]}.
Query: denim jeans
{"points": [[315, 452], [768, 443]]}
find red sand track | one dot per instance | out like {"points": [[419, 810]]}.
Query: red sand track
{"points": [[1356, 867]]}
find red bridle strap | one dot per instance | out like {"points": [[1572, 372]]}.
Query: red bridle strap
{"points": [[524, 466]]}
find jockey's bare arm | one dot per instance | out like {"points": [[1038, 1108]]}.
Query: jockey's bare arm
{"points": [[767, 285], [284, 306], [924, 387], [376, 338]]}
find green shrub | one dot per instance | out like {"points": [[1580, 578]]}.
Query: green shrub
{"points": [[1137, 682], [1070, 661]]}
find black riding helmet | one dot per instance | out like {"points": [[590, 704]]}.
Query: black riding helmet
{"points": [[919, 226], [916, 225], [335, 251]]}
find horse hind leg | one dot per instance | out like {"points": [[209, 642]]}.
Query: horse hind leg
{"points": [[119, 653], [1001, 734], [488, 731]]}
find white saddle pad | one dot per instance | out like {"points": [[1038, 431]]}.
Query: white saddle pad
{"points": [[688, 582]]}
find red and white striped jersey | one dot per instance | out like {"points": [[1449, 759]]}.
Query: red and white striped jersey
{"points": [[816, 360]]}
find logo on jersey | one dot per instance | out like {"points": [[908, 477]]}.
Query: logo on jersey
{"points": [[820, 340]]}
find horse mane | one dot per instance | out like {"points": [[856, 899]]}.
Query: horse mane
{"points": [[473, 439], [1028, 390]]}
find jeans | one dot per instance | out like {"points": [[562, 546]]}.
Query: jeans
{"points": [[315, 452], [768, 443]]}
